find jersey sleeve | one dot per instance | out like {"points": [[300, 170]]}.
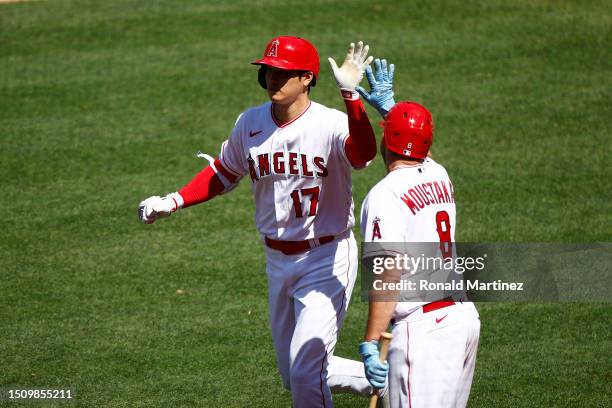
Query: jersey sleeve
{"points": [[382, 221], [232, 156]]}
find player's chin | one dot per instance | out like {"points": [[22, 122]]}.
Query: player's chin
{"points": [[276, 96]]}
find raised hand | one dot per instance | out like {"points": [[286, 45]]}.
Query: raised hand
{"points": [[381, 94], [351, 72]]}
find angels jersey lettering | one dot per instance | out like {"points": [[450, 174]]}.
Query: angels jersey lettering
{"points": [[299, 172]]}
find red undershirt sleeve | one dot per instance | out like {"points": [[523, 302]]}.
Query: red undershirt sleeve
{"points": [[206, 185], [360, 146]]}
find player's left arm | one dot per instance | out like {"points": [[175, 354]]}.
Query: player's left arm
{"points": [[360, 145]]}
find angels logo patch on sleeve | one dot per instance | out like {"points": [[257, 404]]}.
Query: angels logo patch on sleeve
{"points": [[376, 229]]}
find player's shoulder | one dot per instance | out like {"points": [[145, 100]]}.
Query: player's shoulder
{"points": [[325, 111], [264, 108], [257, 111], [433, 166], [429, 161], [381, 192]]}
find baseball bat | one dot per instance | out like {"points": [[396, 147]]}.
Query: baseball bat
{"points": [[384, 340]]}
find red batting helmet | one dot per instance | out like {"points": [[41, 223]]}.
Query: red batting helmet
{"points": [[289, 53], [408, 130]]}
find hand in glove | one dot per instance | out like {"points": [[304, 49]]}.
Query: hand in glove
{"points": [[381, 86], [351, 72], [156, 207], [376, 371]]}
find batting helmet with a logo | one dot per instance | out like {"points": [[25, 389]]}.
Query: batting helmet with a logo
{"points": [[289, 53], [408, 130]]}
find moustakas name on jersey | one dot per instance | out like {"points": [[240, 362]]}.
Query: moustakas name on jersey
{"points": [[404, 206], [428, 193]]}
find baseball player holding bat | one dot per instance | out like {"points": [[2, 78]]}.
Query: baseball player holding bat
{"points": [[432, 354], [298, 156]]}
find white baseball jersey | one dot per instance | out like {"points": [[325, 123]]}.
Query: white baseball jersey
{"points": [[433, 353], [301, 177], [411, 204]]}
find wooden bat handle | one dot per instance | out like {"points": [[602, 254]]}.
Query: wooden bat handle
{"points": [[384, 340]]}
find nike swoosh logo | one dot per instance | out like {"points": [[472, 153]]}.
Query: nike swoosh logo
{"points": [[440, 319], [251, 133]]}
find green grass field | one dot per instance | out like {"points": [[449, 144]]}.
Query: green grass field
{"points": [[104, 103]]}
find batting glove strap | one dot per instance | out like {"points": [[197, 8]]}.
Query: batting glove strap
{"points": [[368, 348], [177, 199], [349, 94]]}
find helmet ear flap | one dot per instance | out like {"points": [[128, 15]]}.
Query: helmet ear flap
{"points": [[261, 77]]}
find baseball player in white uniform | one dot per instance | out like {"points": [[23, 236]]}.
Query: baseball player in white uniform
{"points": [[432, 355], [298, 156]]}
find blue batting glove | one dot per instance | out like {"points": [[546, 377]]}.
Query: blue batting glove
{"points": [[381, 86], [375, 370]]}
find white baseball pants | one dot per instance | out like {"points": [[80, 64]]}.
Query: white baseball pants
{"points": [[309, 295], [432, 357]]}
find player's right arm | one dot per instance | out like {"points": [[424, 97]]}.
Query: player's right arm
{"points": [[220, 176], [381, 306], [206, 185], [381, 221]]}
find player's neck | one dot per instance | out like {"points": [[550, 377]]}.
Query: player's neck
{"points": [[400, 164], [287, 112]]}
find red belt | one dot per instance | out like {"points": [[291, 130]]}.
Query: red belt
{"points": [[297, 247], [430, 307]]}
